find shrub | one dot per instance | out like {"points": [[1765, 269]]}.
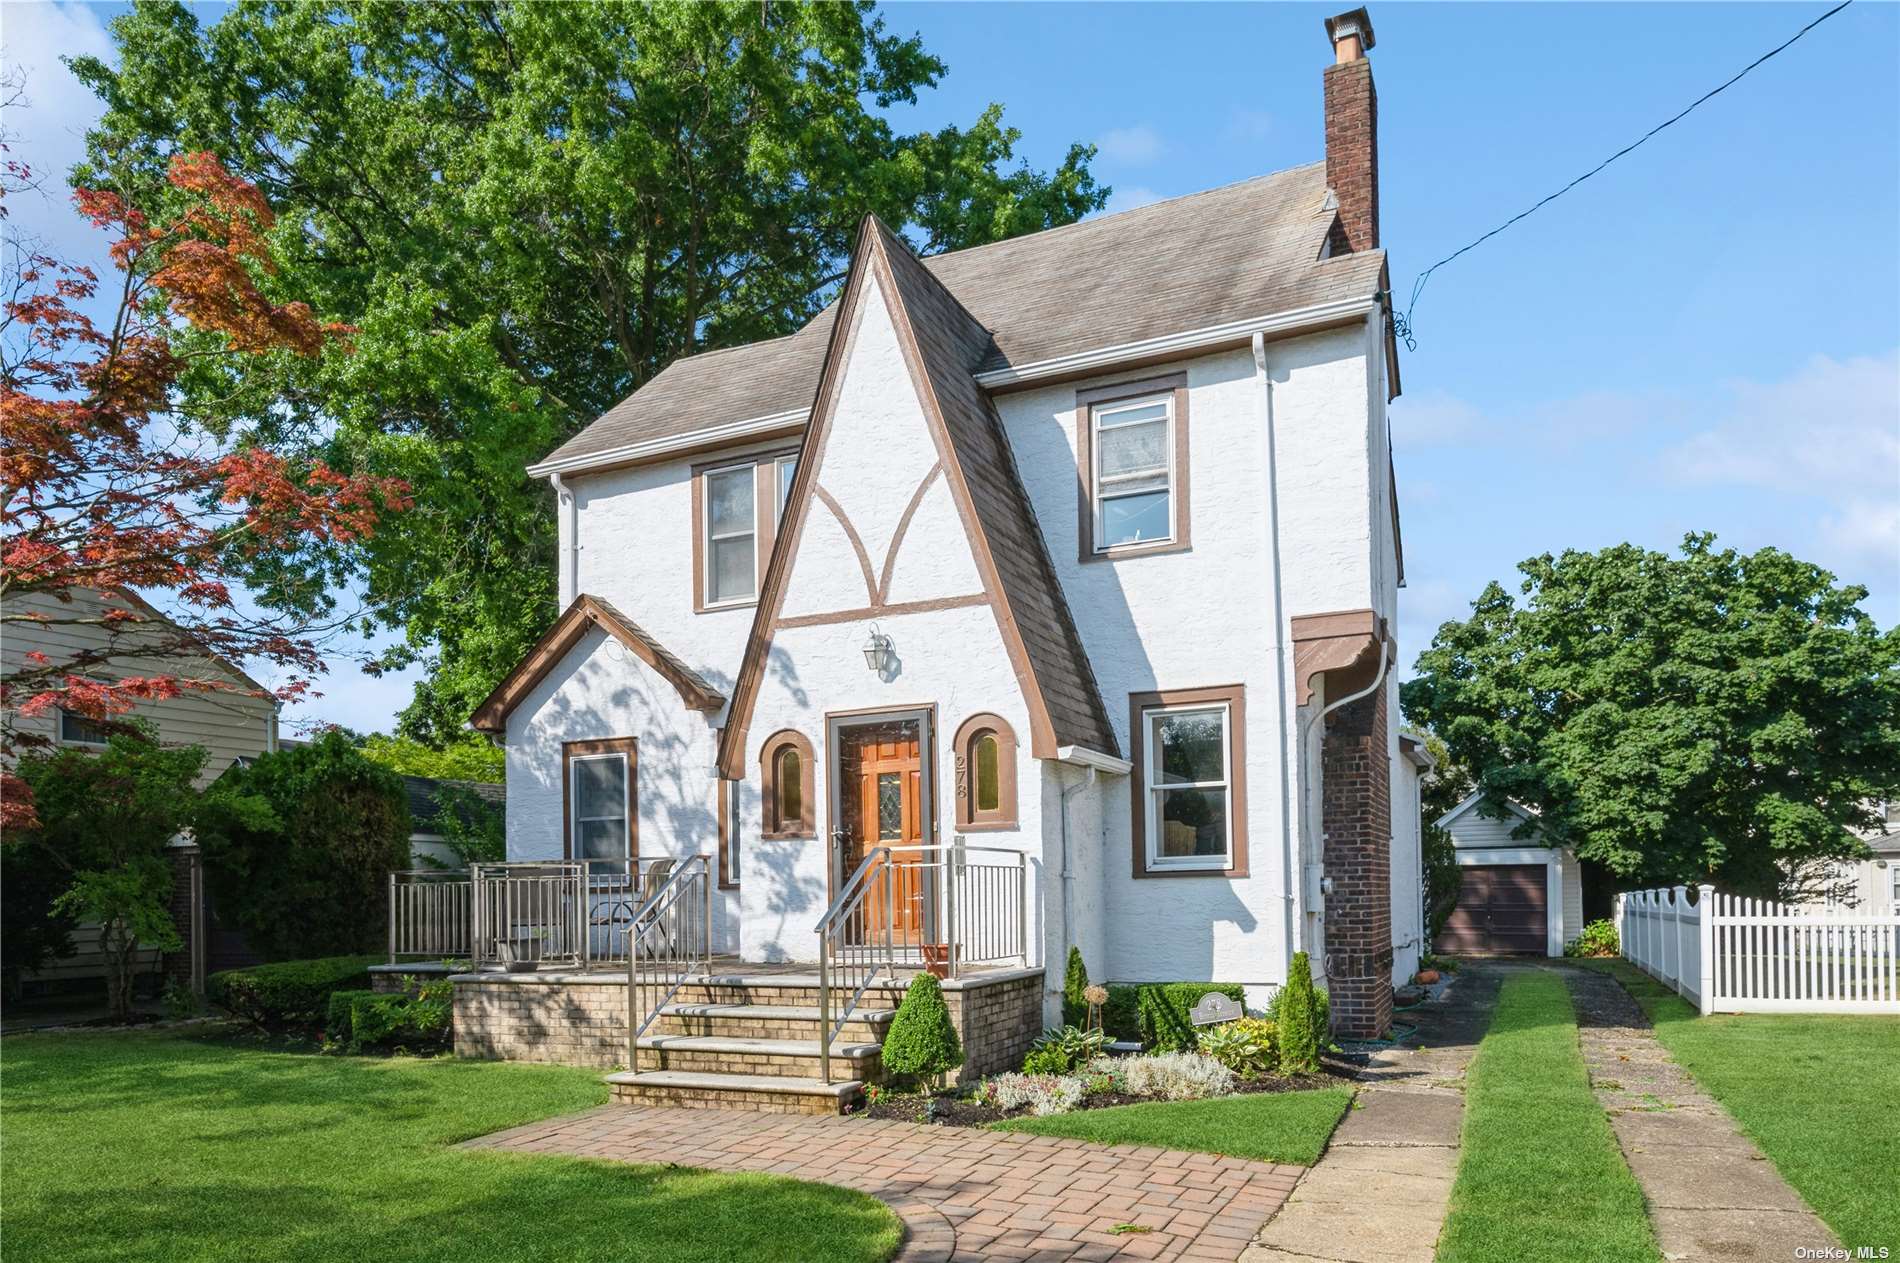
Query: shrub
{"points": [[291, 996], [1063, 1048], [416, 1019], [921, 1041], [1174, 1076], [1042, 1093], [1296, 1011], [1246, 1047], [1163, 1009], [1075, 981], [1598, 939], [309, 875], [1121, 1016]]}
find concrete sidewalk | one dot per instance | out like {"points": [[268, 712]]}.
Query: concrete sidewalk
{"points": [[1380, 1192], [1712, 1193]]}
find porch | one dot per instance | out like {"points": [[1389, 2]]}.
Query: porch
{"points": [[584, 964]]}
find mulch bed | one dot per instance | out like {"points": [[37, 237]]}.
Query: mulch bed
{"points": [[953, 1107]]}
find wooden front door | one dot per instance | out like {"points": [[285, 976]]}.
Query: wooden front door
{"points": [[880, 795]]}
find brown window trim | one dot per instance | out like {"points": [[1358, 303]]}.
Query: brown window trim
{"points": [[1235, 695], [764, 521], [571, 750], [969, 818], [806, 826], [1085, 402]]}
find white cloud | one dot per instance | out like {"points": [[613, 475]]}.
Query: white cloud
{"points": [[48, 132], [1127, 197], [1130, 146]]}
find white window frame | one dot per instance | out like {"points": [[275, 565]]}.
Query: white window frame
{"points": [[1893, 884], [577, 820], [706, 536], [1096, 491], [1151, 783], [784, 468], [79, 742]]}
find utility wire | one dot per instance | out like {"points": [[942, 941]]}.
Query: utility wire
{"points": [[1402, 325]]}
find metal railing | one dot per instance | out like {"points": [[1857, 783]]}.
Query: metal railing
{"points": [[929, 906], [669, 940], [430, 913]]}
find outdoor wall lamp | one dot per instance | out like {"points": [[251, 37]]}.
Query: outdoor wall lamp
{"points": [[877, 651]]}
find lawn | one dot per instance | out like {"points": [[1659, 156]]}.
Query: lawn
{"points": [[1541, 1175], [150, 1146], [1271, 1126], [1816, 1092]]}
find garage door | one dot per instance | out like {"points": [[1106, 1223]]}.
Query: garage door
{"points": [[1501, 909]]}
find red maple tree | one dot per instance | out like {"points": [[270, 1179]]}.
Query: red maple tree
{"points": [[107, 490]]}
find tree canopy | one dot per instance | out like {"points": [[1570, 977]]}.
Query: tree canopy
{"points": [[1711, 715], [526, 211]]}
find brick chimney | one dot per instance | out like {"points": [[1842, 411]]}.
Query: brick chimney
{"points": [[1352, 133]]}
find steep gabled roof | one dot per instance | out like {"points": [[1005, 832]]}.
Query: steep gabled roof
{"points": [[1241, 252], [943, 344], [585, 614]]}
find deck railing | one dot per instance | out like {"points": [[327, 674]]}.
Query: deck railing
{"points": [[937, 906], [515, 915], [430, 913], [669, 940]]}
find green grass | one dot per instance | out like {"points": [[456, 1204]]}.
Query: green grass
{"points": [[148, 1146], [1271, 1126], [1541, 1175], [1815, 1091]]}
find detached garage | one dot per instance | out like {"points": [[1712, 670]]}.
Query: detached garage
{"points": [[1516, 898]]}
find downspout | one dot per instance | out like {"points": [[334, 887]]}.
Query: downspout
{"points": [[1277, 597], [1068, 866], [568, 578]]}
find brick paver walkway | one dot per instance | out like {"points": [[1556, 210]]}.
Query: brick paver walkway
{"points": [[963, 1192]]}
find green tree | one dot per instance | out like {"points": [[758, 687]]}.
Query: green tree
{"points": [[105, 819], [1677, 718], [309, 876], [466, 757], [1297, 1018], [526, 211]]}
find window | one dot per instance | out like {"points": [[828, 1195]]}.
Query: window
{"points": [[1132, 448], [601, 826], [1189, 789], [79, 730], [736, 510], [728, 792], [785, 783], [1893, 875], [985, 753]]}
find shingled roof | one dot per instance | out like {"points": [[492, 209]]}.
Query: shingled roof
{"points": [[1245, 251]]}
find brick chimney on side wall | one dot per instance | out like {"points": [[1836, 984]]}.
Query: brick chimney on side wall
{"points": [[1352, 133]]}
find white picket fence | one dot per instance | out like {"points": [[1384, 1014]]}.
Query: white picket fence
{"points": [[1726, 954]]}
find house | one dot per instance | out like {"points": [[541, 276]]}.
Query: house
{"points": [[1871, 885], [1034, 595], [1516, 896], [232, 716], [431, 800]]}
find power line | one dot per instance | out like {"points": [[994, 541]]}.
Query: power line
{"points": [[1402, 325]]}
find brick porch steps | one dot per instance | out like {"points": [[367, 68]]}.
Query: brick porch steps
{"points": [[763, 1094], [768, 1021], [725, 1054]]}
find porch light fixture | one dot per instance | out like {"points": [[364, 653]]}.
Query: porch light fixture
{"points": [[877, 651]]}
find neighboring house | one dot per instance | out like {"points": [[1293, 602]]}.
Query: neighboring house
{"points": [[1067, 545], [234, 723], [1518, 896], [1872, 885], [427, 840]]}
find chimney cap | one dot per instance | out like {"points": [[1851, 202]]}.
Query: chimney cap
{"points": [[1354, 22]]}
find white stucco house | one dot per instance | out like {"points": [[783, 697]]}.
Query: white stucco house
{"points": [[1082, 548], [1517, 895]]}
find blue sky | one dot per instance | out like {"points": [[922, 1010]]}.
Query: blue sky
{"points": [[1706, 336]]}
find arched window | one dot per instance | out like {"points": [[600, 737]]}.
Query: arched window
{"points": [[985, 753], [785, 772]]}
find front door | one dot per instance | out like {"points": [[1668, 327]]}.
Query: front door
{"points": [[880, 795]]}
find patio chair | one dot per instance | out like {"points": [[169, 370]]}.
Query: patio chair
{"points": [[618, 914]]}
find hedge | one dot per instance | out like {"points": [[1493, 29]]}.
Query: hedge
{"points": [[415, 1020], [291, 995], [1157, 1013]]}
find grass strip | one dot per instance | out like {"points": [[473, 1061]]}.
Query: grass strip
{"points": [[1540, 1176], [150, 1146], [1270, 1126], [1815, 1091]]}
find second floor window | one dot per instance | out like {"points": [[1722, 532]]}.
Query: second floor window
{"points": [[738, 506], [1132, 456], [78, 730]]}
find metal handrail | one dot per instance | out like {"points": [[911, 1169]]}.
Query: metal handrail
{"points": [[668, 941], [430, 913], [852, 955]]}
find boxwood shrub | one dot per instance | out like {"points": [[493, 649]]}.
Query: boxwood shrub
{"points": [[292, 995], [1157, 1013], [414, 1020]]}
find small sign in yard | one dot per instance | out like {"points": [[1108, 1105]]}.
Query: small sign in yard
{"points": [[1215, 1008]]}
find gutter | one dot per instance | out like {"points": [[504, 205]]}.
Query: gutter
{"points": [[1082, 756], [752, 427]]}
